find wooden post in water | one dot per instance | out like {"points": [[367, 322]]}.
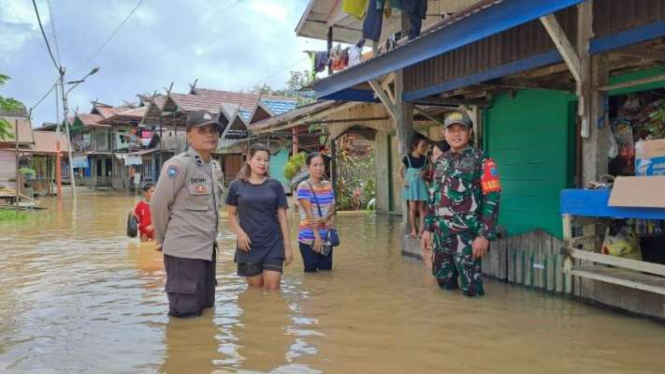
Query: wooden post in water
{"points": [[16, 140]]}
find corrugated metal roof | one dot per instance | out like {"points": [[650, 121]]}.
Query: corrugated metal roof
{"points": [[245, 114], [292, 115], [24, 131], [279, 106], [45, 142], [91, 119], [211, 100]]}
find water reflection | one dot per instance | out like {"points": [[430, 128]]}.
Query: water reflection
{"points": [[261, 332], [191, 345], [77, 296]]}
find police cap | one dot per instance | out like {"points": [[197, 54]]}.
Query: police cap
{"points": [[202, 118]]}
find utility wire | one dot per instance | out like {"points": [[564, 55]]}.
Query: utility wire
{"points": [[55, 37], [264, 80], [41, 27], [55, 84], [113, 34]]}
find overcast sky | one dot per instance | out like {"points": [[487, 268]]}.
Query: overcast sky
{"points": [[227, 44]]}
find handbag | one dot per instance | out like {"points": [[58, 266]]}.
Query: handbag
{"points": [[331, 234], [132, 226]]}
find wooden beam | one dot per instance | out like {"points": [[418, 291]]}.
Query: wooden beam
{"points": [[637, 82], [452, 102], [563, 44], [584, 92], [521, 83], [465, 90], [647, 267], [643, 282], [642, 52], [383, 97], [426, 115]]}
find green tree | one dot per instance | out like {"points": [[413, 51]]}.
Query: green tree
{"points": [[7, 104], [298, 80], [264, 90]]}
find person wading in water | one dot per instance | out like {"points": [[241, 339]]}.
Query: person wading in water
{"points": [[257, 206], [185, 217]]}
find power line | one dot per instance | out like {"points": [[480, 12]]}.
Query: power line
{"points": [[54, 85], [41, 27], [110, 37], [55, 37], [279, 72]]}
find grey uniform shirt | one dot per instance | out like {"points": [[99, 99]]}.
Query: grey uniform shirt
{"points": [[185, 207]]}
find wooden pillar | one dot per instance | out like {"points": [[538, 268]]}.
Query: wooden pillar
{"points": [[596, 145], [294, 141], [333, 164], [17, 139], [403, 115]]}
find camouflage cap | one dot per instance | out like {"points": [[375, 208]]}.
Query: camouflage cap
{"points": [[457, 118]]}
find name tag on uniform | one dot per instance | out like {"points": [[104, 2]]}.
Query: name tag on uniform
{"points": [[199, 186]]}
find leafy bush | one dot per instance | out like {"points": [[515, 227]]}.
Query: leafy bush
{"points": [[294, 165]]}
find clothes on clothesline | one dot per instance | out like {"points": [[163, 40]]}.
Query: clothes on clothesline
{"points": [[355, 55], [373, 22], [392, 4], [356, 8], [320, 61], [417, 12], [339, 58]]}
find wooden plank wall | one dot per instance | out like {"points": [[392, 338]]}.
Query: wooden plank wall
{"points": [[532, 260], [512, 45], [612, 16]]}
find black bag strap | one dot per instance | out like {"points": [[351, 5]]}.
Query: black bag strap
{"points": [[316, 199]]}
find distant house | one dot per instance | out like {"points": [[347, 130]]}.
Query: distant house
{"points": [[43, 160], [8, 156]]}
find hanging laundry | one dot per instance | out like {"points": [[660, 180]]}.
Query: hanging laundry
{"points": [[417, 12], [320, 61], [339, 58], [392, 4], [312, 57], [356, 8], [355, 55], [373, 21]]}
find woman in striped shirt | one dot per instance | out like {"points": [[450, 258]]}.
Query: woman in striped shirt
{"points": [[317, 200]]}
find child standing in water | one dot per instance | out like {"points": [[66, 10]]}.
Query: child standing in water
{"points": [[412, 174], [142, 214]]}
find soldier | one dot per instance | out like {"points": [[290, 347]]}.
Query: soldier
{"points": [[185, 217], [462, 211]]}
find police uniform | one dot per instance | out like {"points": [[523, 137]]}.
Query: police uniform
{"points": [[185, 217], [463, 205]]}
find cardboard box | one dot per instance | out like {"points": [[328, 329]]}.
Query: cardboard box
{"points": [[638, 192], [650, 157]]}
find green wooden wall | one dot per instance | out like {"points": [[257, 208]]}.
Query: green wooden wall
{"points": [[531, 135], [278, 164]]}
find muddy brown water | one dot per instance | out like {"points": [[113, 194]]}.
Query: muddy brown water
{"points": [[77, 296]]}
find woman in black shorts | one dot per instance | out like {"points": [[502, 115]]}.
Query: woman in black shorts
{"points": [[257, 214]]}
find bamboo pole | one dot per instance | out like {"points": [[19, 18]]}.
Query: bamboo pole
{"points": [[16, 140]]}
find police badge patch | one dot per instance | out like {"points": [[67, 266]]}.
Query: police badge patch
{"points": [[172, 171]]}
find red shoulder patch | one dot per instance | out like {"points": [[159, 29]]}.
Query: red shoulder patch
{"points": [[490, 180]]}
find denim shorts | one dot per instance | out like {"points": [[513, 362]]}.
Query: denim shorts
{"points": [[248, 269]]}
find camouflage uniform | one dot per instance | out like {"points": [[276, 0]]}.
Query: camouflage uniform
{"points": [[463, 204]]}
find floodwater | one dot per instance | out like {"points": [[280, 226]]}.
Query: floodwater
{"points": [[77, 296]]}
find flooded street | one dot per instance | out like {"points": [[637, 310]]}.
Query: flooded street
{"points": [[78, 296]]}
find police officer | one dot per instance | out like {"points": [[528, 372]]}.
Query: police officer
{"points": [[185, 217], [462, 211]]}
